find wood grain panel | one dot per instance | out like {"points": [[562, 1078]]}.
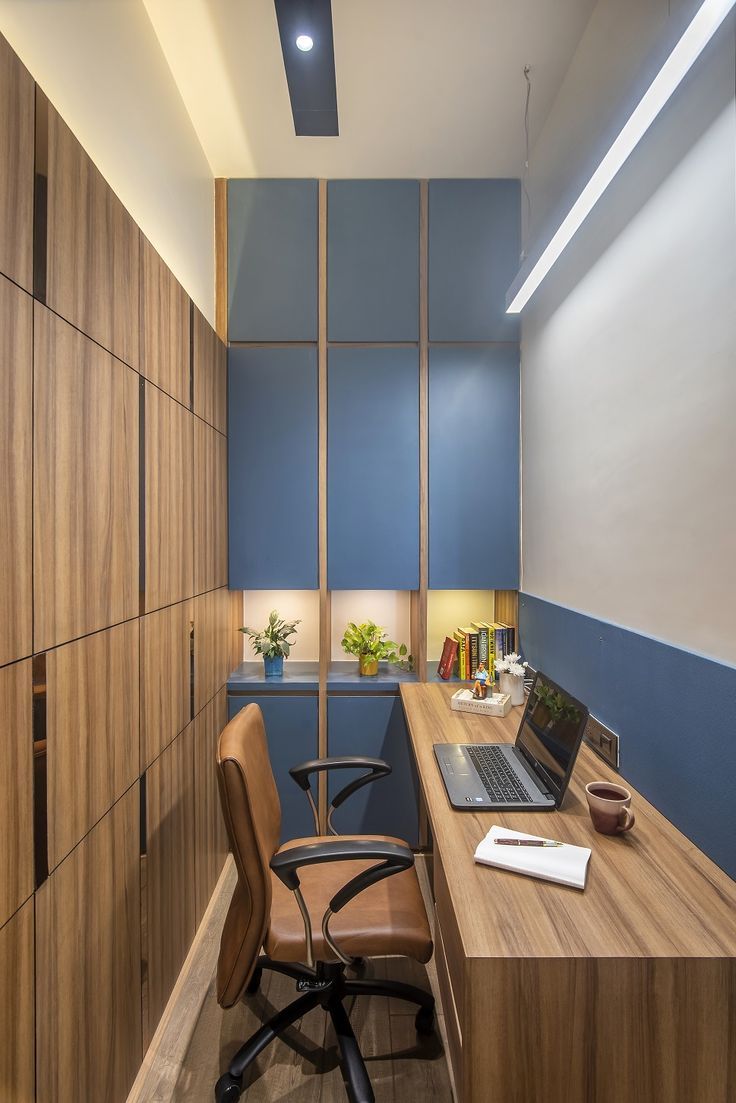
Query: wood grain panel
{"points": [[165, 335], [212, 644], [210, 508], [88, 954], [16, 168], [16, 799], [85, 485], [16, 420], [507, 606], [210, 837], [169, 501], [165, 677], [210, 373], [169, 872], [92, 720], [221, 294], [236, 620], [93, 257], [16, 1007]]}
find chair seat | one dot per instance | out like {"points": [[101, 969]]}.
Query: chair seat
{"points": [[386, 919]]}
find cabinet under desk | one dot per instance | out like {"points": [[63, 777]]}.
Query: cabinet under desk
{"points": [[626, 990]]}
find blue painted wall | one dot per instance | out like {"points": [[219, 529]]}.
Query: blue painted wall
{"points": [[291, 730], [373, 260], [474, 247], [374, 726], [272, 468], [373, 469], [474, 468], [272, 260], [675, 713]]}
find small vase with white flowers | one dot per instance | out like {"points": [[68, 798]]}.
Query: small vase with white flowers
{"points": [[511, 672]]}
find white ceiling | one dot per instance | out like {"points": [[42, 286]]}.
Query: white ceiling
{"points": [[425, 88]]}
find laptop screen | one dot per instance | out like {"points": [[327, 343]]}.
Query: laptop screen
{"points": [[550, 732]]}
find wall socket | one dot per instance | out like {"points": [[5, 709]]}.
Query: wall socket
{"points": [[603, 741]]}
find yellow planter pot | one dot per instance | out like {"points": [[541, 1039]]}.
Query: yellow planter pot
{"points": [[367, 665]]}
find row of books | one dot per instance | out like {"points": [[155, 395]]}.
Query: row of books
{"points": [[480, 642]]}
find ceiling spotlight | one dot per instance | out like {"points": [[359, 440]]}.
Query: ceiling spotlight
{"points": [[304, 43]]}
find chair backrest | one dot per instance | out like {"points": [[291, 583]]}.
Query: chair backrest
{"points": [[252, 811]]}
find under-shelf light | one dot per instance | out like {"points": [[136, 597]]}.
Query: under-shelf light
{"points": [[696, 37]]}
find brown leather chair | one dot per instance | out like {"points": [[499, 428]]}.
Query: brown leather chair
{"points": [[315, 905]]}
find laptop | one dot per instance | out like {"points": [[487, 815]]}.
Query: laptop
{"points": [[530, 775]]}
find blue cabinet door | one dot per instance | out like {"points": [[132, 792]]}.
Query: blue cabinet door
{"points": [[374, 726], [373, 260], [272, 260], [291, 729], [474, 468], [373, 469], [272, 468], [474, 246]]}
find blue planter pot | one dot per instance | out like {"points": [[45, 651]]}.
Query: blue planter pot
{"points": [[274, 667]]}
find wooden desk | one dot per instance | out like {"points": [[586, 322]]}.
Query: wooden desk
{"points": [[623, 993]]}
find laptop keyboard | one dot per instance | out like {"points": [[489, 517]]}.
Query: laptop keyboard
{"points": [[497, 776]]}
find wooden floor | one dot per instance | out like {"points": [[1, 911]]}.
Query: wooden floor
{"points": [[191, 1051]]}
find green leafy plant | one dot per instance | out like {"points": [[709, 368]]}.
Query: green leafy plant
{"points": [[370, 641], [273, 640], [558, 707]]}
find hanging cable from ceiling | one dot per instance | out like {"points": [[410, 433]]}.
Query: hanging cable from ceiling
{"points": [[525, 174]]}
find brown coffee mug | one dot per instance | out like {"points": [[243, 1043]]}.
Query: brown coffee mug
{"points": [[609, 807]]}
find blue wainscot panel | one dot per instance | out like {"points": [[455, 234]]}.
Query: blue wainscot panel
{"points": [[272, 260], [672, 709], [272, 468], [374, 726], [291, 728], [373, 260], [474, 468], [474, 246], [373, 469]]}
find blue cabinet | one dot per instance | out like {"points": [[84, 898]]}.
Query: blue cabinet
{"points": [[474, 247], [373, 260], [373, 469], [272, 260], [291, 728], [474, 468], [374, 726], [272, 475]]}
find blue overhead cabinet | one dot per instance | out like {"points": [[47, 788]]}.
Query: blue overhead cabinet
{"points": [[374, 726], [373, 260], [474, 248], [474, 468], [373, 469], [272, 476], [291, 730], [272, 260]]}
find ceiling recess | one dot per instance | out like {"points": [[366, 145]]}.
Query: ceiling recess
{"points": [[310, 73]]}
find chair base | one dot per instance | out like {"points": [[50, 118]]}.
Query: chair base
{"points": [[326, 988]]}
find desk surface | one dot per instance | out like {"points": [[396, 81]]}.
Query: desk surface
{"points": [[649, 894]]}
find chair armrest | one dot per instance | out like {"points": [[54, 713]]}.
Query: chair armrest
{"points": [[376, 768], [391, 858]]}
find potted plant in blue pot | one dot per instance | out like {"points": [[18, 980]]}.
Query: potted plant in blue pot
{"points": [[273, 643]]}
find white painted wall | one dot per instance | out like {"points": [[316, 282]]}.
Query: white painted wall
{"points": [[101, 65], [629, 363]]}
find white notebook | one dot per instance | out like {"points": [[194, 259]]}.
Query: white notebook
{"points": [[566, 864]]}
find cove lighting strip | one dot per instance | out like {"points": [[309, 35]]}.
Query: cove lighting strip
{"points": [[699, 32]]}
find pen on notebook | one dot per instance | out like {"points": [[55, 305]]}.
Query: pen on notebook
{"points": [[526, 842]]}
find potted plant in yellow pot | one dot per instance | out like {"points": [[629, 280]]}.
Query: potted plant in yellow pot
{"points": [[370, 644]]}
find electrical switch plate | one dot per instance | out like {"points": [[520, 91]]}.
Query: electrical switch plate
{"points": [[603, 741]]}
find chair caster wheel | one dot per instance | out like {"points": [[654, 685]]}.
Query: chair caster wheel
{"points": [[227, 1089], [424, 1021], [254, 983]]}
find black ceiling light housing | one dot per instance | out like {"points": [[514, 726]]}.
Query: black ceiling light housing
{"points": [[310, 74]]}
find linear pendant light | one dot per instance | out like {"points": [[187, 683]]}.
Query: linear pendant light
{"points": [[698, 34]]}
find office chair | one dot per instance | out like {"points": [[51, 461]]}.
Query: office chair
{"points": [[314, 905]]}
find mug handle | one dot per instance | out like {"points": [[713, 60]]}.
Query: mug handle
{"points": [[628, 822]]}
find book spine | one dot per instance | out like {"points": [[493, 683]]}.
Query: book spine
{"points": [[482, 642], [473, 638], [460, 637], [498, 641]]}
